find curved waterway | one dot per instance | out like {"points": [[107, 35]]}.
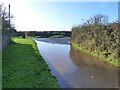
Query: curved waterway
{"points": [[76, 69]]}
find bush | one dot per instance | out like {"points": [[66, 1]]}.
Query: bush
{"points": [[99, 37]]}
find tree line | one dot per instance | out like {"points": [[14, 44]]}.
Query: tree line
{"points": [[43, 34]]}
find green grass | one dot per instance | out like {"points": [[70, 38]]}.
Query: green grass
{"points": [[111, 60], [24, 67], [57, 36]]}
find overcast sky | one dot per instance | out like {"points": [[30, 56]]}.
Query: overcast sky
{"points": [[33, 15]]}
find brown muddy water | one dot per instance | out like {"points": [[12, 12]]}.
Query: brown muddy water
{"points": [[76, 69]]}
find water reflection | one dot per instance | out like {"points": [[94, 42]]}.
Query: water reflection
{"points": [[76, 69], [104, 73], [83, 59]]}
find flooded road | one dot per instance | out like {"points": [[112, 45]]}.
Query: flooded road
{"points": [[75, 69]]}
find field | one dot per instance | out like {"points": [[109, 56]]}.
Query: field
{"points": [[24, 67]]}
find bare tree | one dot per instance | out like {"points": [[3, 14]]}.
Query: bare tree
{"points": [[5, 15], [98, 19]]}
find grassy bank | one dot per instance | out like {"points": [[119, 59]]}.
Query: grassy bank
{"points": [[96, 54], [24, 67], [57, 36]]}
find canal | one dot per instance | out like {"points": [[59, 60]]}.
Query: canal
{"points": [[76, 69]]}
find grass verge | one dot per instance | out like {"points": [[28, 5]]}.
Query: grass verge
{"points": [[24, 67], [57, 36], [115, 62]]}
